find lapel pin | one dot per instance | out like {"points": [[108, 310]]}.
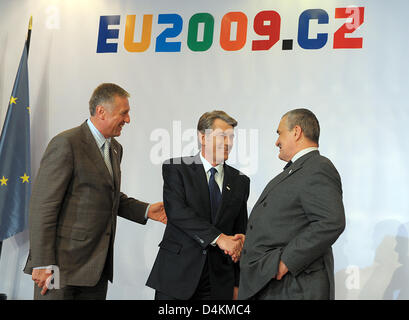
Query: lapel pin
{"points": [[228, 188], [291, 170], [115, 151]]}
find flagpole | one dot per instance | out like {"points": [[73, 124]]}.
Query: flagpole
{"points": [[3, 296], [30, 26]]}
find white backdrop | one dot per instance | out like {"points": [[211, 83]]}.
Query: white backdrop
{"points": [[359, 96]]}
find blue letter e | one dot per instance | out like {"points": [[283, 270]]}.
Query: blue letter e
{"points": [[105, 34]]}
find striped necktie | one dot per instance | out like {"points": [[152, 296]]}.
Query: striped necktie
{"points": [[107, 157], [215, 195]]}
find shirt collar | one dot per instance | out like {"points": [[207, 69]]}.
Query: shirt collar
{"points": [[207, 166], [98, 136], [303, 152]]}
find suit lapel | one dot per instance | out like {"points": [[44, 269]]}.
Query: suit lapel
{"points": [[199, 176], [298, 164], [90, 148], [270, 186]]}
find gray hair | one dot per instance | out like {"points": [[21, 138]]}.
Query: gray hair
{"points": [[306, 120], [105, 93]]}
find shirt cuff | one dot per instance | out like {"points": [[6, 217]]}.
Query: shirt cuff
{"points": [[213, 243], [50, 267], [146, 212]]}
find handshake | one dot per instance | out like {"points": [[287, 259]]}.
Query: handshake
{"points": [[231, 245]]}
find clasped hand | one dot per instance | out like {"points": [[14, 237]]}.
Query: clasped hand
{"points": [[231, 245], [157, 212]]}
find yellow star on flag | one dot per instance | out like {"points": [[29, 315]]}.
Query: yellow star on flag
{"points": [[3, 181], [25, 178], [13, 100], [28, 108]]}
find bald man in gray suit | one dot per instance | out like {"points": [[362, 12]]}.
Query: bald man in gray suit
{"points": [[299, 215]]}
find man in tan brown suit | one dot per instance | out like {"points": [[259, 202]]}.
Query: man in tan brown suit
{"points": [[76, 199]]}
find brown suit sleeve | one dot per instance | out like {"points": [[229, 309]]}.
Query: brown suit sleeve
{"points": [[132, 209]]}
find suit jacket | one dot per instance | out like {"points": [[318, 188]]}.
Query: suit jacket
{"points": [[186, 243], [73, 208], [297, 218]]}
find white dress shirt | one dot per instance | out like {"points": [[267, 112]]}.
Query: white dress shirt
{"points": [[219, 176], [303, 152]]}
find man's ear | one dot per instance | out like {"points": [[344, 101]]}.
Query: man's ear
{"points": [[100, 112], [201, 138], [297, 132]]}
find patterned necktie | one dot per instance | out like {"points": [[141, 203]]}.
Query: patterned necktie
{"points": [[215, 195], [107, 157], [289, 163]]}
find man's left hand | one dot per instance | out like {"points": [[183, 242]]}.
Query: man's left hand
{"points": [[235, 293], [282, 270], [157, 212]]}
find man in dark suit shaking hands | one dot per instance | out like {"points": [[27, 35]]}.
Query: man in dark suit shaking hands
{"points": [[206, 205], [299, 215], [75, 202]]}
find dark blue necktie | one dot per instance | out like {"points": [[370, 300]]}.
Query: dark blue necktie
{"points": [[289, 163], [215, 195]]}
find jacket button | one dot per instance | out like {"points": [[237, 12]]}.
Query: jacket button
{"points": [[204, 251], [264, 204], [251, 227]]}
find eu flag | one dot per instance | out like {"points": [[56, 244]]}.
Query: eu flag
{"points": [[15, 171]]}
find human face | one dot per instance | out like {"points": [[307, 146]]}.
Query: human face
{"points": [[217, 142], [286, 141], [115, 117]]}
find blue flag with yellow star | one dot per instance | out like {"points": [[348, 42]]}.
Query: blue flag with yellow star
{"points": [[15, 176]]}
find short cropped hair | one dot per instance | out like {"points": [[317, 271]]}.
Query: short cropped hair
{"points": [[105, 93], [306, 120]]}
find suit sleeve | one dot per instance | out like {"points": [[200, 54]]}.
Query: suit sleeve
{"points": [[49, 190], [321, 200], [240, 224], [179, 213], [132, 209]]}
